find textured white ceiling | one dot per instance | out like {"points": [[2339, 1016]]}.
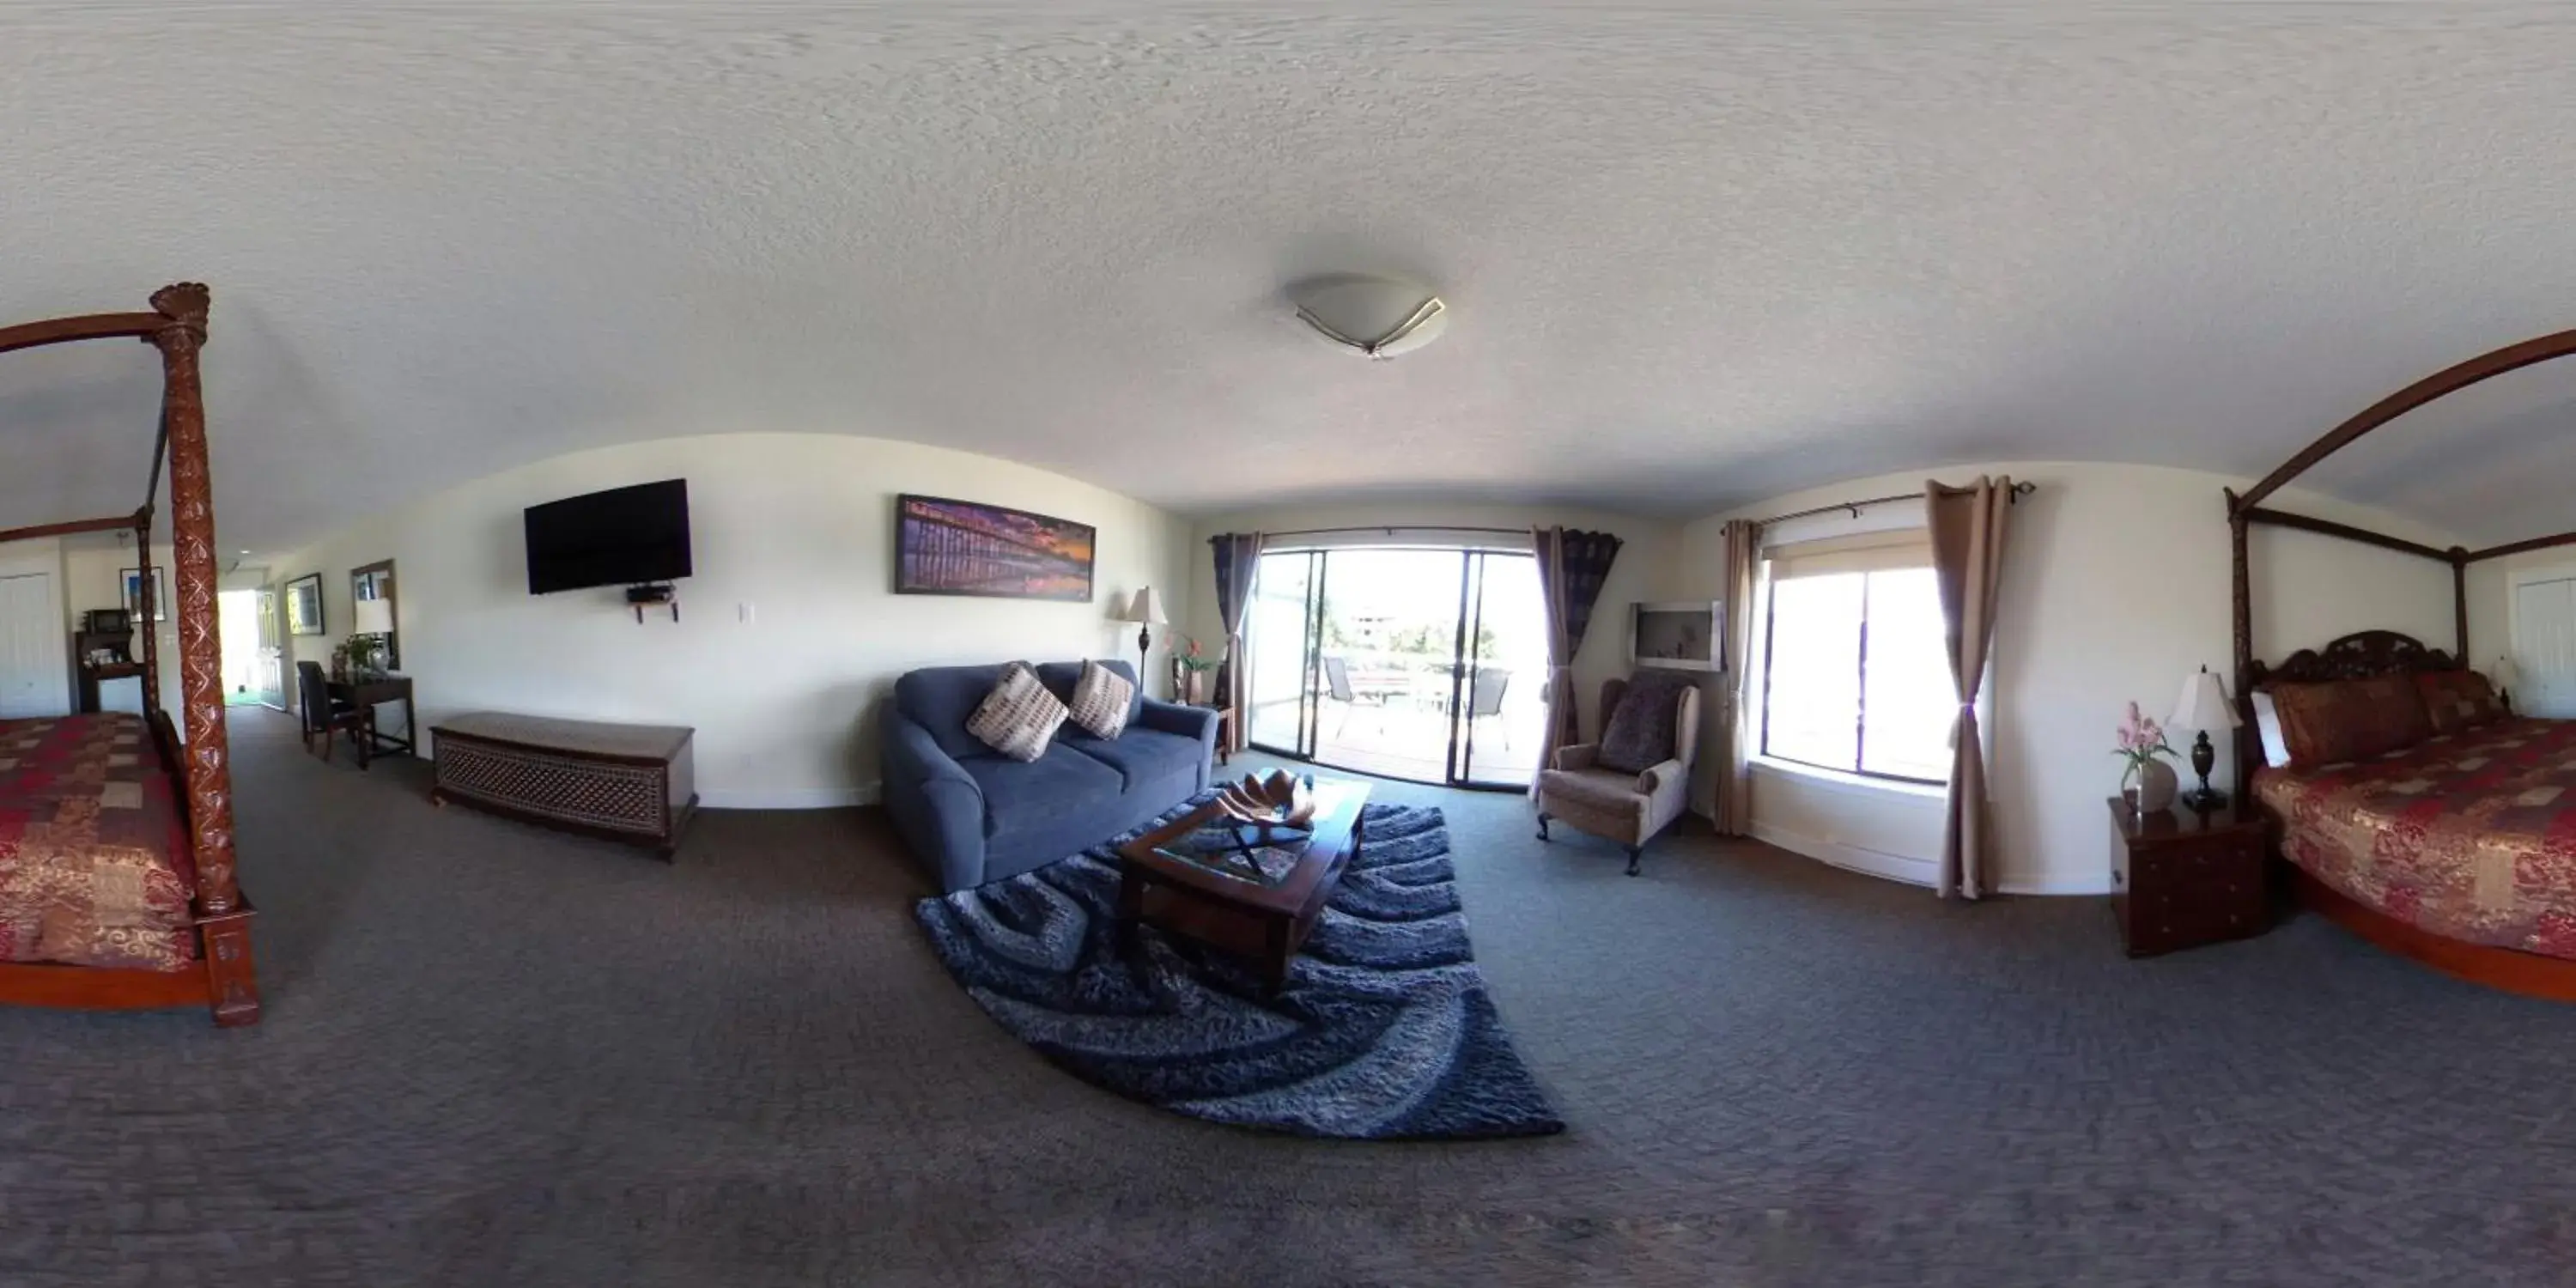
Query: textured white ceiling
{"points": [[1696, 257]]}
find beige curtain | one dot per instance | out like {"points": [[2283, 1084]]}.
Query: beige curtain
{"points": [[1968, 527], [1573, 566], [1743, 555], [1238, 557]]}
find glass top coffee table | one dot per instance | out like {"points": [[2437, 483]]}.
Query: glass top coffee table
{"points": [[1204, 878]]}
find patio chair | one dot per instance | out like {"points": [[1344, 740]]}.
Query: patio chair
{"points": [[1485, 700], [1337, 686]]}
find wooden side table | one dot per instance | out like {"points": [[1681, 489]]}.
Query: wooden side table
{"points": [[2181, 879]]}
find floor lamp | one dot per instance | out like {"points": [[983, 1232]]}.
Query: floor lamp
{"points": [[1147, 612]]}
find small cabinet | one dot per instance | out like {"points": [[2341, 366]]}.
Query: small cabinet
{"points": [[2181, 879]]}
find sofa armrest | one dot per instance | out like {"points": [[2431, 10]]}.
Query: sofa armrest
{"points": [[1578, 756], [1188, 722], [937, 807], [1173, 717], [1666, 788], [1657, 777]]}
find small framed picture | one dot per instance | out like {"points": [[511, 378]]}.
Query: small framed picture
{"points": [[132, 580], [304, 605]]}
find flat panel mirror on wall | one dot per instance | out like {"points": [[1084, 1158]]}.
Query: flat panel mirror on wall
{"points": [[375, 621], [1420, 663]]}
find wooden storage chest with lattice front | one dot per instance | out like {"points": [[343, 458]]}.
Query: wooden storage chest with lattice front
{"points": [[625, 782]]}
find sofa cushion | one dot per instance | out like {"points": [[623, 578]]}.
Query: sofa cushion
{"points": [[1051, 791], [1645, 728], [942, 699], [1019, 717], [1102, 701], [1142, 756], [1060, 677]]}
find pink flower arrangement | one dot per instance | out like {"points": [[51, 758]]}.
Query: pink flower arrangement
{"points": [[1192, 660], [2141, 741]]}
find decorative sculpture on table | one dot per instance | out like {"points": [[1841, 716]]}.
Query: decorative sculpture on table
{"points": [[1270, 807]]}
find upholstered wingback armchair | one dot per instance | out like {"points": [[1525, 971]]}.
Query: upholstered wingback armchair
{"points": [[1627, 808]]}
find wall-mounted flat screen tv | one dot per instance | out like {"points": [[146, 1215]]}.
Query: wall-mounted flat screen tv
{"points": [[624, 537]]}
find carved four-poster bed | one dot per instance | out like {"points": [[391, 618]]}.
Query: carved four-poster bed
{"points": [[2420, 813], [117, 886]]}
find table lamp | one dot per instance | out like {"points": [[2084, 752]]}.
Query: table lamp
{"points": [[2203, 707], [1147, 613], [2504, 675], [375, 620]]}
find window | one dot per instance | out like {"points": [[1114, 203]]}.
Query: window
{"points": [[1856, 676]]}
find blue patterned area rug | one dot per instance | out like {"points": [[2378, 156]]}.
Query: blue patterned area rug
{"points": [[1384, 1031]]}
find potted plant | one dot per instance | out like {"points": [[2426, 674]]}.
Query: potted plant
{"points": [[1195, 666], [2148, 783]]}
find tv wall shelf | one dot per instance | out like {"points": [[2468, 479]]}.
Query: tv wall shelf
{"points": [[1678, 635], [638, 596]]}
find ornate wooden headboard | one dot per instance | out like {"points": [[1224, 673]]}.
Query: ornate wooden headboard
{"points": [[2357, 656]]}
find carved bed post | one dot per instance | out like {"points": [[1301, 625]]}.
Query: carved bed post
{"points": [[2249, 741], [146, 608], [192, 536], [223, 923], [2460, 601]]}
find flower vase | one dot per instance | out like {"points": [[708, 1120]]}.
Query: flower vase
{"points": [[1198, 683], [2155, 786]]}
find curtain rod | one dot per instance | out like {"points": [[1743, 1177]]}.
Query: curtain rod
{"points": [[2019, 490], [1394, 529]]}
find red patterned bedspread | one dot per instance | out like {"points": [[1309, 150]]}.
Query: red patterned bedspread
{"points": [[94, 867], [2472, 835]]}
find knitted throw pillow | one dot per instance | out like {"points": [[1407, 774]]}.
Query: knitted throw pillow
{"points": [[1019, 717], [1640, 734], [1101, 699]]}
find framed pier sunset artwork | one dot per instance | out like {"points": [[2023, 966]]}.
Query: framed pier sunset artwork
{"points": [[946, 547]]}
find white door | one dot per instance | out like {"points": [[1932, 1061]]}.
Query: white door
{"points": [[2544, 648], [31, 668], [268, 675]]}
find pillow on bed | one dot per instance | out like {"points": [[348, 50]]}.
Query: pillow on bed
{"points": [[2267, 722], [2344, 720], [2458, 700]]}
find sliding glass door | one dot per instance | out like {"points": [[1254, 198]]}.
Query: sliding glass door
{"points": [[1424, 664]]}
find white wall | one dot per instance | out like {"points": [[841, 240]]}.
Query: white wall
{"points": [[94, 577], [1642, 571], [795, 530], [2116, 586]]}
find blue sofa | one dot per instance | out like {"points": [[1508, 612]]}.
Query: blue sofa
{"points": [[973, 815]]}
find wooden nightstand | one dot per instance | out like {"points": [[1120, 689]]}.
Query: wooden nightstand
{"points": [[2182, 879]]}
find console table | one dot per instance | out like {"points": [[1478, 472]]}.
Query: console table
{"points": [[624, 782], [374, 690]]}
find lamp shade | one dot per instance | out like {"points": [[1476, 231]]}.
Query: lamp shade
{"points": [[2503, 673], [1145, 608], [2203, 704], [374, 617]]}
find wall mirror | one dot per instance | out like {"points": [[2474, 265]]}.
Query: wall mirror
{"points": [[374, 609]]}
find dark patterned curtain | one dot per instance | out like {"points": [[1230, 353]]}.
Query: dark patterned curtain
{"points": [[1238, 556], [1572, 567]]}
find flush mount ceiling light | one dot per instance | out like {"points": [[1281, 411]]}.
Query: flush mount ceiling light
{"points": [[1379, 317]]}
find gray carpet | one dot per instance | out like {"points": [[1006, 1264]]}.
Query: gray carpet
{"points": [[498, 1056]]}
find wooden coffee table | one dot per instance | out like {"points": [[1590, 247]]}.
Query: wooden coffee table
{"points": [[1263, 920]]}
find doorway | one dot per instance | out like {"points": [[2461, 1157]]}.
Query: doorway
{"points": [[1427, 664], [2544, 646], [33, 660], [246, 622]]}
